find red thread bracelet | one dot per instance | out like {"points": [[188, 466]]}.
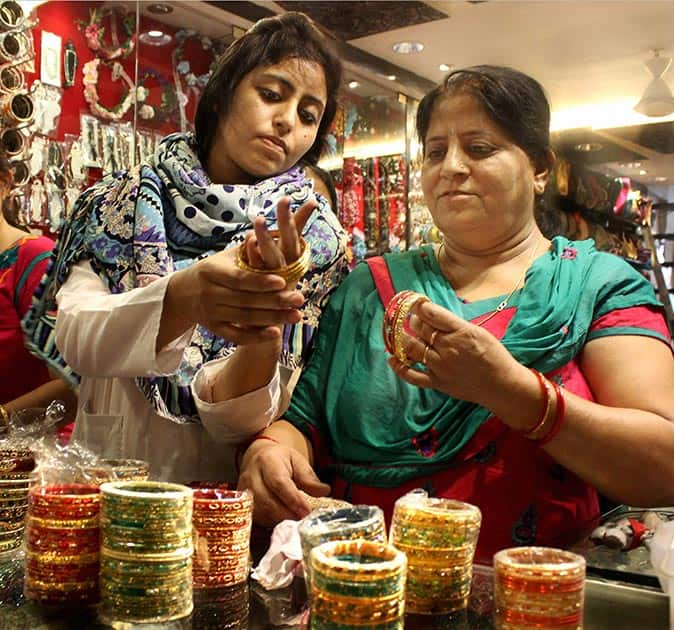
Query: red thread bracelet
{"points": [[559, 416]]}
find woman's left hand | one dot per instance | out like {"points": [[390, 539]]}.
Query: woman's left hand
{"points": [[263, 252], [462, 360]]}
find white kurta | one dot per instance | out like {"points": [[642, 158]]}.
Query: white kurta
{"points": [[109, 340]]}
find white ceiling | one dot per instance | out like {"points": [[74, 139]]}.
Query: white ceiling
{"points": [[589, 56]]}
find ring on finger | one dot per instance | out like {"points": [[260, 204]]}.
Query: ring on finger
{"points": [[434, 334], [424, 358]]}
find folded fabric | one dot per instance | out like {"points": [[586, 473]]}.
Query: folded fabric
{"points": [[283, 560]]}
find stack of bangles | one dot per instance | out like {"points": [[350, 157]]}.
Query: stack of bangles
{"points": [[290, 273], [396, 322], [552, 417]]}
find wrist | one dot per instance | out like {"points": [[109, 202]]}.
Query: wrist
{"points": [[519, 401]]}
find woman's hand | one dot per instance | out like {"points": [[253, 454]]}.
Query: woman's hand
{"points": [[462, 360], [277, 475], [263, 252], [240, 306]]}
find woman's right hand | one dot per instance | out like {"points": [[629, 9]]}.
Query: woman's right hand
{"points": [[278, 476]]}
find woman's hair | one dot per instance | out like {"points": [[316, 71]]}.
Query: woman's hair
{"points": [[316, 172], [5, 184], [268, 42], [513, 100]]}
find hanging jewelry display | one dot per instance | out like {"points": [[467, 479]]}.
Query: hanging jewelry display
{"points": [[90, 138], [144, 146], [125, 146], [110, 142], [168, 101], [36, 202], [11, 15], [14, 47], [37, 155], [70, 63], [181, 67], [94, 33], [13, 141], [74, 162], [90, 81], [47, 101], [11, 79]]}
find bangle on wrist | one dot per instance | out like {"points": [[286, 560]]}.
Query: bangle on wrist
{"points": [[559, 416], [242, 448], [532, 433]]}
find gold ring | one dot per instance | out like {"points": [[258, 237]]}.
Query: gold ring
{"points": [[427, 347], [434, 334]]}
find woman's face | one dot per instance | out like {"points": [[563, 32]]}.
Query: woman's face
{"points": [[272, 122], [477, 183]]}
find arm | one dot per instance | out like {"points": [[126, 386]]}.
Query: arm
{"points": [[277, 470], [55, 389], [622, 444]]}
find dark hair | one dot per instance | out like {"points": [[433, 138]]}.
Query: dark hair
{"points": [[316, 172], [513, 100], [268, 42]]}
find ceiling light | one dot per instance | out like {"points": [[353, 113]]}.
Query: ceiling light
{"points": [[660, 178], [391, 77], [155, 38], [657, 99], [160, 8], [408, 48], [643, 172], [445, 67], [588, 147], [354, 84]]}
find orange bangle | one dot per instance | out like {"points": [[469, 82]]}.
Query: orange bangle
{"points": [[559, 416], [263, 437], [531, 433]]}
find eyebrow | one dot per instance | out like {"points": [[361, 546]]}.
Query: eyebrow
{"points": [[290, 86]]}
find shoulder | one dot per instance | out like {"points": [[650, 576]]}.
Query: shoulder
{"points": [[32, 247]]}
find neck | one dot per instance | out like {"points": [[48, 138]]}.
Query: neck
{"points": [[8, 233], [222, 170], [491, 270]]}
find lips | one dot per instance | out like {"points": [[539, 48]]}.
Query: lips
{"points": [[455, 194], [275, 143]]}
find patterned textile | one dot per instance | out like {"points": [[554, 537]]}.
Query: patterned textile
{"points": [[137, 226], [385, 438]]}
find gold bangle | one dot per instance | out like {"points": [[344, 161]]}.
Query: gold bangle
{"points": [[4, 415], [290, 273]]}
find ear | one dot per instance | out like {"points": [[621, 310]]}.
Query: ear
{"points": [[542, 172]]}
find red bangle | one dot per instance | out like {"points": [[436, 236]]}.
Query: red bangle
{"points": [[531, 433], [559, 416], [243, 447], [263, 437]]}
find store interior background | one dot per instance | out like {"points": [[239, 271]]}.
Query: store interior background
{"points": [[616, 168]]}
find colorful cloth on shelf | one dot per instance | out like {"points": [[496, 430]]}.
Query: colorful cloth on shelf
{"points": [[137, 226], [376, 437], [21, 268]]}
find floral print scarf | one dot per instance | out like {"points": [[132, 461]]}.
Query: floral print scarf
{"points": [[139, 225]]}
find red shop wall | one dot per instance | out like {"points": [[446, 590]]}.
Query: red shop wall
{"points": [[63, 17]]}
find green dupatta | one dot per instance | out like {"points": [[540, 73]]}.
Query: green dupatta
{"points": [[369, 418]]}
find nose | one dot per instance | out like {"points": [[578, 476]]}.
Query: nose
{"points": [[455, 162], [284, 118]]}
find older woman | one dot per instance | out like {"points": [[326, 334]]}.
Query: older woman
{"points": [[178, 344], [535, 372]]}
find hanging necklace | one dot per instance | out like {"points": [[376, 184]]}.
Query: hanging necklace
{"points": [[505, 301]]}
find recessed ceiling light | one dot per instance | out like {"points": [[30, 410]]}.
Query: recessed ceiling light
{"points": [[631, 165], [445, 67], [155, 38], [660, 178], [588, 147], [354, 84], [391, 77], [643, 172], [408, 48], [160, 8]]}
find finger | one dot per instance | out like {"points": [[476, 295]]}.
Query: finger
{"points": [[271, 254], [268, 510], [306, 479], [412, 376], [253, 252], [304, 213], [224, 297], [439, 318], [290, 240], [221, 270], [286, 492]]}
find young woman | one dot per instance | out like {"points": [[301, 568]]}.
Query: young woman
{"points": [[180, 351]]}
